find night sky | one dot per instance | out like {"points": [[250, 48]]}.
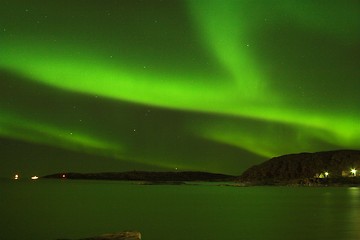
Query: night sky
{"points": [[118, 85]]}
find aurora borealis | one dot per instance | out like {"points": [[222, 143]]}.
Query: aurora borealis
{"points": [[191, 85]]}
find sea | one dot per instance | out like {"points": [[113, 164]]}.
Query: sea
{"points": [[71, 209]]}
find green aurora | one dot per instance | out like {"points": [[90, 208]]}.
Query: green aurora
{"points": [[190, 85]]}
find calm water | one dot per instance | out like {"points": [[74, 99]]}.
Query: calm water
{"points": [[51, 209]]}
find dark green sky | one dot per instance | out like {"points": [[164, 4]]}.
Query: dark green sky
{"points": [[164, 85]]}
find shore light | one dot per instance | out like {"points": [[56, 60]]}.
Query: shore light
{"points": [[353, 171], [326, 174], [16, 177], [34, 177]]}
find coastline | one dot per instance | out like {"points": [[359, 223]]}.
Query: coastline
{"points": [[305, 182]]}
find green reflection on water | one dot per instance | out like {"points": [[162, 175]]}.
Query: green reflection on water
{"points": [[73, 209]]}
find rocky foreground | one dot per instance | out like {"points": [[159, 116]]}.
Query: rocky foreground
{"points": [[114, 236]]}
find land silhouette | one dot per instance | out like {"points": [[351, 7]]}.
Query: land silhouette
{"points": [[339, 167]]}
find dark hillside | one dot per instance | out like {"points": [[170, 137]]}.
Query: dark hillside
{"points": [[305, 165]]}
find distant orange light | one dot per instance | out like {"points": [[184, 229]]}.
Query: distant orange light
{"points": [[63, 176]]}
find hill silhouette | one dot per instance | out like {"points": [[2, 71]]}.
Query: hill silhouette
{"points": [[287, 168]]}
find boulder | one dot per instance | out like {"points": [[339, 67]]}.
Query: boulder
{"points": [[115, 236]]}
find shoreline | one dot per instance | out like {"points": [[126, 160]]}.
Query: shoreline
{"points": [[306, 182]]}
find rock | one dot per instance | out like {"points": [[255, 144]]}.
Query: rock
{"points": [[115, 236], [310, 169]]}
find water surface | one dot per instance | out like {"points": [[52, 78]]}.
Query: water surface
{"points": [[51, 209]]}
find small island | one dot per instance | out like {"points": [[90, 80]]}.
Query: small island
{"points": [[173, 178], [330, 168]]}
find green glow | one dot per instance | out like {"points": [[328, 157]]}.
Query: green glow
{"points": [[16, 127], [224, 29], [101, 79], [272, 139], [268, 78]]}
